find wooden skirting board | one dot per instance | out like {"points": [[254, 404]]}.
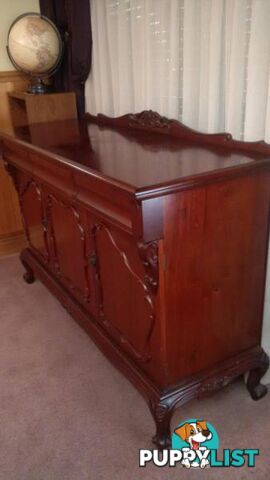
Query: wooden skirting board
{"points": [[11, 76], [12, 243]]}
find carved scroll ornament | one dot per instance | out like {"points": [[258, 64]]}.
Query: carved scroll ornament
{"points": [[148, 118], [149, 255]]}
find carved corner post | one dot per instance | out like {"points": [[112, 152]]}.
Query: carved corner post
{"points": [[13, 173], [256, 389], [161, 409], [149, 255]]}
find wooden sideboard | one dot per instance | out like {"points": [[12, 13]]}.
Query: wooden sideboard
{"points": [[154, 237]]}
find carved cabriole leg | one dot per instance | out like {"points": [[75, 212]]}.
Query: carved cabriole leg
{"points": [[29, 275], [256, 389], [162, 414], [255, 361]]}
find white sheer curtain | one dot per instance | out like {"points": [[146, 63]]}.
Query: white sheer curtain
{"points": [[205, 62]]}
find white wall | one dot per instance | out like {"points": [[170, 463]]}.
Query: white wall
{"points": [[266, 323], [9, 10]]}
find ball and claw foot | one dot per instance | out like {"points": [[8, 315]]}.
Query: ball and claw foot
{"points": [[28, 276], [258, 392], [256, 389]]}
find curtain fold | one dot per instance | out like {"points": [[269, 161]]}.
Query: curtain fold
{"points": [[73, 21], [205, 62]]}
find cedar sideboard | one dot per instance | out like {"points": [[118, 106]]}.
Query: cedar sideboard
{"points": [[154, 237]]}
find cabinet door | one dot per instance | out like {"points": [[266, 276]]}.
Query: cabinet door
{"points": [[70, 248], [126, 308], [35, 223]]}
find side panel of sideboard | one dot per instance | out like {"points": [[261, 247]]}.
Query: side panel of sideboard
{"points": [[215, 240]]}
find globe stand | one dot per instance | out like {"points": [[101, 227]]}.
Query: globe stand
{"points": [[38, 88]]}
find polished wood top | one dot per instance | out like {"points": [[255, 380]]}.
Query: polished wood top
{"points": [[139, 154]]}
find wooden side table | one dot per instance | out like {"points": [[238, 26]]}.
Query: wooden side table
{"points": [[26, 108]]}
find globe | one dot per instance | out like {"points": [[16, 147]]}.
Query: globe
{"points": [[34, 47]]}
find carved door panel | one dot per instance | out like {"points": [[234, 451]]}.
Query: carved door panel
{"points": [[126, 307], [70, 246], [34, 218]]}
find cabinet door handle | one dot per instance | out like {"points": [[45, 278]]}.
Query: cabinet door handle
{"points": [[93, 259], [44, 222]]}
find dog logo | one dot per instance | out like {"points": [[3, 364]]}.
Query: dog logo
{"points": [[195, 444], [195, 437]]}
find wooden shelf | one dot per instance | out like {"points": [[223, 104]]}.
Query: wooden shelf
{"points": [[27, 108]]}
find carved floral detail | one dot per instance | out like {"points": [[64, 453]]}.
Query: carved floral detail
{"points": [[215, 384], [148, 118]]}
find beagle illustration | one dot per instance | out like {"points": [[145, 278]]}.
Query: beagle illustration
{"points": [[194, 434]]}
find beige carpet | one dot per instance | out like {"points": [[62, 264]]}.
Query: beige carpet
{"points": [[67, 414]]}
